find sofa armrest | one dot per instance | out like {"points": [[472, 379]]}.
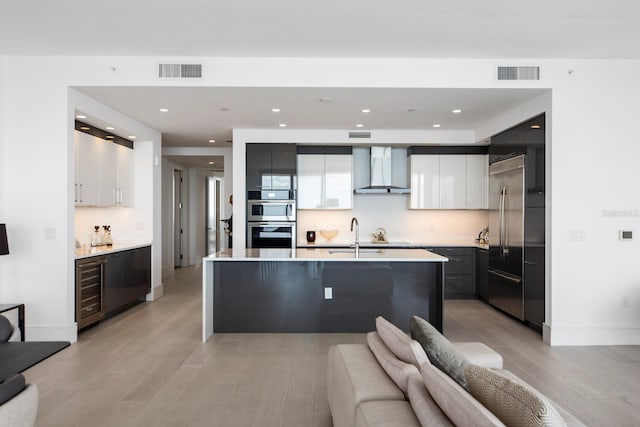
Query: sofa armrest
{"points": [[21, 411], [480, 354]]}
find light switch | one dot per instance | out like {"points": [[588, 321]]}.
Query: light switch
{"points": [[328, 293]]}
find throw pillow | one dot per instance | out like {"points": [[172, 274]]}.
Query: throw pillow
{"points": [[400, 344], [440, 351], [461, 408], [11, 387], [515, 403], [397, 370], [425, 408], [5, 329]]}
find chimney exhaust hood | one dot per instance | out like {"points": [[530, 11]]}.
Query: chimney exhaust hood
{"points": [[381, 173]]}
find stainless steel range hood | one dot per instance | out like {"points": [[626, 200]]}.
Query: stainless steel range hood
{"points": [[381, 174]]}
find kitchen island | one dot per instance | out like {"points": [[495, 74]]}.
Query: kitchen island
{"points": [[319, 290]]}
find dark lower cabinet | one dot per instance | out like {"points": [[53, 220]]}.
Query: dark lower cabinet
{"points": [[128, 278], [458, 272], [109, 284], [482, 274]]}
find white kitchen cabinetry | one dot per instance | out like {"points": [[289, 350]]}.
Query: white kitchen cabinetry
{"points": [[448, 181], [87, 182], [325, 181], [425, 182], [477, 181], [104, 172]]}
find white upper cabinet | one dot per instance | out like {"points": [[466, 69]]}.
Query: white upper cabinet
{"points": [[104, 172], [477, 181], [425, 182], [453, 182], [325, 181], [448, 181], [87, 160]]}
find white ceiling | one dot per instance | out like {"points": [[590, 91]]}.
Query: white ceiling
{"points": [[336, 28], [330, 28], [198, 114]]}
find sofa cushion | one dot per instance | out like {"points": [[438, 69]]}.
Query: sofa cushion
{"points": [[6, 329], [21, 411], [514, 402], [439, 350], [461, 408], [11, 386], [402, 345], [426, 409], [398, 371], [479, 354], [354, 376], [386, 413]]}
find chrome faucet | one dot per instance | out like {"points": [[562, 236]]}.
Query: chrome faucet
{"points": [[357, 242]]}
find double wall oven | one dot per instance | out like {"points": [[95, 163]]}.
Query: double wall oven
{"points": [[271, 219]]}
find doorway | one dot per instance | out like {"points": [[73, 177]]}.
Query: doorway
{"points": [[178, 230], [212, 239]]}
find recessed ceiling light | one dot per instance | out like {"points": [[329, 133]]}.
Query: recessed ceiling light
{"points": [[85, 128], [212, 141], [283, 125], [535, 126], [436, 125], [80, 116], [410, 110], [456, 111], [132, 137], [275, 110], [211, 163], [109, 136], [110, 128], [359, 125], [325, 99], [224, 109], [164, 110], [366, 110]]}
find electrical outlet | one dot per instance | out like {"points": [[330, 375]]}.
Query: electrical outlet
{"points": [[328, 293]]}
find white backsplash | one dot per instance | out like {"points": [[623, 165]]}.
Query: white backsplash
{"points": [[126, 223], [390, 212]]}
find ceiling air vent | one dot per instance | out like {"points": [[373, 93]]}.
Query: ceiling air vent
{"points": [[359, 134], [518, 73], [180, 71]]}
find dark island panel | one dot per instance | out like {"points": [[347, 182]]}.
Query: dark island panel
{"points": [[288, 297]]}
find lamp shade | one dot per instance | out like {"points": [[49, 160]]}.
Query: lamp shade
{"points": [[4, 244]]}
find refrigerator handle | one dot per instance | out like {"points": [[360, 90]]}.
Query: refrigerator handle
{"points": [[505, 244], [501, 232]]}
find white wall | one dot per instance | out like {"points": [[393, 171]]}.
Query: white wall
{"points": [[592, 153]]}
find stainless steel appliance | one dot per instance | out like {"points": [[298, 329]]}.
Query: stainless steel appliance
{"points": [[506, 243], [271, 219]]}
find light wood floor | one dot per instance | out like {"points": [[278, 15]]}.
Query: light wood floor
{"points": [[147, 367]]}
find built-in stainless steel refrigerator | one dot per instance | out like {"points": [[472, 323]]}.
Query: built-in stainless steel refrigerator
{"points": [[507, 235]]}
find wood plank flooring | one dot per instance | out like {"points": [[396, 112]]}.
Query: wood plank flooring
{"points": [[147, 367]]}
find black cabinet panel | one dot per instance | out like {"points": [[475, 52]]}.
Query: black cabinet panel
{"points": [[271, 167], [127, 278], [288, 296], [482, 277], [459, 271]]}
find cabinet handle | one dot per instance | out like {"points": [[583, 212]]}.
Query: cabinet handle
{"points": [[75, 192], [121, 197], [81, 193]]}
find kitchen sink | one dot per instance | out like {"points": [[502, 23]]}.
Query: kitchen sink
{"points": [[353, 251]]}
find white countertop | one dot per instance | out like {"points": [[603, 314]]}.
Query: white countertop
{"points": [[323, 254], [396, 244], [116, 247]]}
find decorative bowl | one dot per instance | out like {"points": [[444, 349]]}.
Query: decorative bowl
{"points": [[328, 234]]}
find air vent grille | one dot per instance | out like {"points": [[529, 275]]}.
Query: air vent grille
{"points": [[518, 73], [359, 134], [180, 71]]}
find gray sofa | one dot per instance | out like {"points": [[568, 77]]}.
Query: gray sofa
{"points": [[391, 382]]}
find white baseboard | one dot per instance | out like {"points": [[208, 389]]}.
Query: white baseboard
{"points": [[589, 335], [156, 292], [52, 333]]}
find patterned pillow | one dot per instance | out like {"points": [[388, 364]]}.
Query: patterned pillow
{"points": [[440, 351], [514, 403]]}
